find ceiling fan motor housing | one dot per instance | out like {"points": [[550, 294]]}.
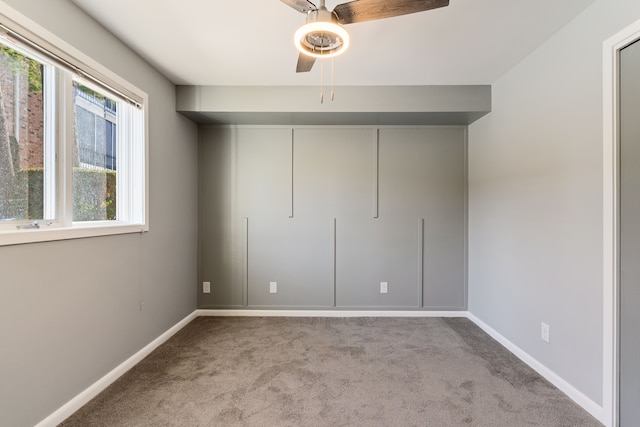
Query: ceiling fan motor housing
{"points": [[321, 36]]}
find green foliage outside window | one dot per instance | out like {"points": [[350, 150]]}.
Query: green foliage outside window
{"points": [[27, 201], [94, 194], [23, 65]]}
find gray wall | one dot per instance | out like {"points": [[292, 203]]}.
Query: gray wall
{"points": [[69, 310], [535, 200], [369, 205]]}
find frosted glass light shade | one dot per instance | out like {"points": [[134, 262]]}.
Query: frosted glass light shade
{"points": [[321, 39]]}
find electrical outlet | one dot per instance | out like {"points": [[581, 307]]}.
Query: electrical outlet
{"points": [[544, 332], [273, 287], [206, 287], [384, 287]]}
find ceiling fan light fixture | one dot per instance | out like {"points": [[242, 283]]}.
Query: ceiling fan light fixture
{"points": [[321, 39], [323, 36]]}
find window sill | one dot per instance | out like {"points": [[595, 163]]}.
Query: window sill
{"points": [[78, 231]]}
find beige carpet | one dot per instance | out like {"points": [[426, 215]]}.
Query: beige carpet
{"points": [[331, 372]]}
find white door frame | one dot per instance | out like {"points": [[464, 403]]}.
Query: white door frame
{"points": [[611, 55]]}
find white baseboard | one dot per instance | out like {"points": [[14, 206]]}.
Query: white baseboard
{"points": [[327, 313], [577, 396], [93, 390]]}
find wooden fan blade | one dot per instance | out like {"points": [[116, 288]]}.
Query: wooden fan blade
{"points": [[305, 63], [368, 10], [303, 6]]}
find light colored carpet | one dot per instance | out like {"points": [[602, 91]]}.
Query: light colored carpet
{"points": [[243, 371]]}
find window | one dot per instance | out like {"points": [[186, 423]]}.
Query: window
{"points": [[22, 136], [94, 156], [72, 144]]}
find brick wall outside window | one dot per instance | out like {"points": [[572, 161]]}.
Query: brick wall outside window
{"points": [[14, 90]]}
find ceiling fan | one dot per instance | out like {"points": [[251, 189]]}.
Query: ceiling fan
{"points": [[323, 36]]}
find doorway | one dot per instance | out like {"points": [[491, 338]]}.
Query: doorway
{"points": [[629, 236]]}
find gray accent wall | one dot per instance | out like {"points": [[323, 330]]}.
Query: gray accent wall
{"points": [[330, 212], [70, 310], [536, 200]]}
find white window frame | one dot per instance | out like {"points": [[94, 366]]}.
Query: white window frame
{"points": [[132, 177]]}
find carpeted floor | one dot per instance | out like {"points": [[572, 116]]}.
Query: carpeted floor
{"points": [[248, 371]]}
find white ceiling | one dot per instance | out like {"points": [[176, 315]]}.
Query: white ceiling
{"points": [[250, 42]]}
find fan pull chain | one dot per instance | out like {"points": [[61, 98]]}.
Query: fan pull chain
{"points": [[321, 81], [332, 79]]}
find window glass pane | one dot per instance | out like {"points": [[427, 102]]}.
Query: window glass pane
{"points": [[21, 136], [95, 155]]}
